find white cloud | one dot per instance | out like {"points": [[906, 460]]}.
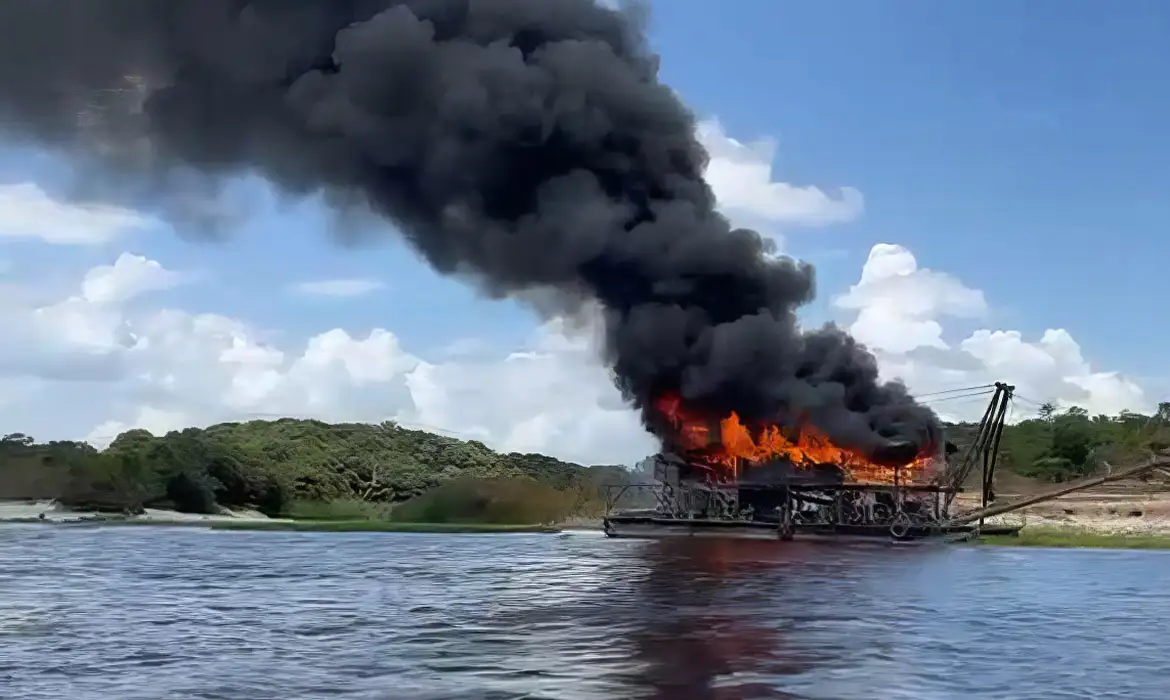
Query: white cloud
{"points": [[129, 276], [741, 176], [27, 211], [899, 308], [162, 369], [898, 305], [343, 288], [102, 367], [552, 396]]}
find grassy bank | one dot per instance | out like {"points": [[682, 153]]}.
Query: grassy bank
{"points": [[1070, 538]]}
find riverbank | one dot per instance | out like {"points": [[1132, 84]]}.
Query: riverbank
{"points": [[1105, 514], [1105, 520], [50, 513], [380, 526], [1094, 521], [53, 512], [1071, 538]]}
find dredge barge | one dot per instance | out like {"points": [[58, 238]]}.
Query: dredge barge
{"points": [[796, 493], [813, 506]]}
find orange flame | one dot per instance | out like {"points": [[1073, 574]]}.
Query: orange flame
{"points": [[808, 447]]}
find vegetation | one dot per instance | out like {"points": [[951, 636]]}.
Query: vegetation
{"points": [[1065, 445], [1073, 538], [308, 470]]}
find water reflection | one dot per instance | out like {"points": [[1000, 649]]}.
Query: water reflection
{"points": [[702, 636], [144, 614]]}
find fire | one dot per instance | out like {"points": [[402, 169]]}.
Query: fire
{"points": [[804, 447]]}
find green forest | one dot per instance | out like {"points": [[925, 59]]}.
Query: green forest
{"points": [[1061, 445], [309, 468]]}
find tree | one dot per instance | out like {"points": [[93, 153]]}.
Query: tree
{"points": [[1163, 414], [16, 440], [1047, 411], [1073, 440]]}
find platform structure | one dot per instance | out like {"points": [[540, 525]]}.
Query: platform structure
{"points": [[815, 506], [779, 500]]}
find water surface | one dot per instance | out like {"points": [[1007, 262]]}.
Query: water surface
{"points": [[151, 613]]}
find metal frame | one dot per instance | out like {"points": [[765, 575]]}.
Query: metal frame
{"points": [[899, 510], [984, 450]]}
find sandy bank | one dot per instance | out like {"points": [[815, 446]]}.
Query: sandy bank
{"points": [[51, 511], [1100, 513]]}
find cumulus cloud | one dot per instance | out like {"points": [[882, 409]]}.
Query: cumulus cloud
{"points": [[550, 396], [92, 365], [742, 178], [129, 276], [899, 308], [27, 211], [81, 336], [162, 369], [341, 288], [899, 305]]}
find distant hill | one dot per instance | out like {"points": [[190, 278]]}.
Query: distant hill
{"points": [[270, 465]]}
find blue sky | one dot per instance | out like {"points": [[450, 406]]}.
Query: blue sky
{"points": [[1020, 146], [1016, 148]]}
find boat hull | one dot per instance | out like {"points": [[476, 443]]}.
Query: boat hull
{"points": [[640, 527], [664, 528]]}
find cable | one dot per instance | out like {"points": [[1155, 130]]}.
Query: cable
{"points": [[971, 395], [1025, 399], [951, 391]]}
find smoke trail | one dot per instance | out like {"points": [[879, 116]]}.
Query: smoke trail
{"points": [[523, 143]]}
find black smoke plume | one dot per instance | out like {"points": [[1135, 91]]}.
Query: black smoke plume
{"points": [[527, 144]]}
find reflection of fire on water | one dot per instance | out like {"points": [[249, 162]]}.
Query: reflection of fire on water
{"points": [[700, 637], [728, 444]]}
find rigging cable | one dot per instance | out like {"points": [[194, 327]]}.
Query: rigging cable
{"points": [[952, 391]]}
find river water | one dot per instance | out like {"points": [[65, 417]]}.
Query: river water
{"points": [[155, 613]]}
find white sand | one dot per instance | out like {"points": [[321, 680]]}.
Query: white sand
{"points": [[55, 512], [1107, 514]]}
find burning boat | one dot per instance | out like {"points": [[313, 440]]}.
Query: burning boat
{"points": [[726, 478]]}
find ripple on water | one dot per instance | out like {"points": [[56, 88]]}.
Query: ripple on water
{"points": [[167, 613]]}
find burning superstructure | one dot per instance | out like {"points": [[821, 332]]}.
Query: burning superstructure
{"points": [[737, 451], [721, 474]]}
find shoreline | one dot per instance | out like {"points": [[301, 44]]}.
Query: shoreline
{"points": [[1048, 537], [49, 513], [296, 525], [1094, 521]]}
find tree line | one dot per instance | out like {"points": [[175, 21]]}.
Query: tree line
{"points": [[1065, 444], [272, 466]]}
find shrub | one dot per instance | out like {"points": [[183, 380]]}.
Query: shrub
{"points": [[518, 501]]}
